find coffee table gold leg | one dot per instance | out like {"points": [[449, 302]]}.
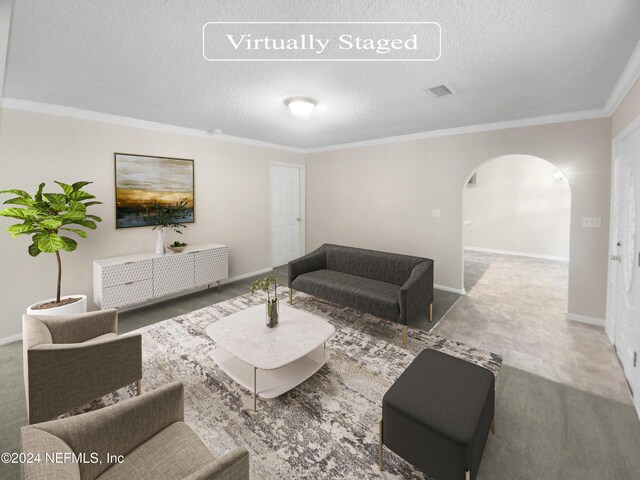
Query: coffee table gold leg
{"points": [[255, 403]]}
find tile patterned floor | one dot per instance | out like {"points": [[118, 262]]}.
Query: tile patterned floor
{"points": [[516, 307]]}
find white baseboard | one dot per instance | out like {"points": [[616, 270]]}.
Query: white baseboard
{"points": [[246, 275], [11, 338], [517, 254], [459, 291], [598, 322]]}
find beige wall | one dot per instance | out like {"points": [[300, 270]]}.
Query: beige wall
{"points": [[627, 111], [382, 196], [516, 205], [231, 187]]}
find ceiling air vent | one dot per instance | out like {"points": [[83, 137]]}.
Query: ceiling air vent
{"points": [[441, 91]]}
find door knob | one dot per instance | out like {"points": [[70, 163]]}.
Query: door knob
{"points": [[615, 258]]}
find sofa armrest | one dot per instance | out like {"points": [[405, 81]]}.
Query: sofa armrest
{"points": [[34, 442], [417, 293], [64, 376], [316, 260], [120, 428], [232, 466], [79, 327]]}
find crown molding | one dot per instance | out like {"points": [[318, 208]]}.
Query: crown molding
{"points": [[483, 127], [59, 110], [629, 76], [37, 107]]}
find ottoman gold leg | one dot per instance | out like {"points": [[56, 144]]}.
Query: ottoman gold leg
{"points": [[380, 445], [138, 387], [431, 312], [290, 297]]}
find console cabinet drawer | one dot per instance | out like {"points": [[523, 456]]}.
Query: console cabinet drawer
{"points": [[172, 274], [127, 294], [211, 265], [127, 272]]}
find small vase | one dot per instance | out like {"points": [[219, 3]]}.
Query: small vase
{"points": [[160, 241], [272, 310]]}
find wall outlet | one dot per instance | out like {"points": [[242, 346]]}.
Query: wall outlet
{"points": [[435, 212], [591, 222]]}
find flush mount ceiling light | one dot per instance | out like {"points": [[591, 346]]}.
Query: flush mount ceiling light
{"points": [[301, 106]]}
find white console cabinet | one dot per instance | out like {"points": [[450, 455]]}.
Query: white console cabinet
{"points": [[124, 281]]}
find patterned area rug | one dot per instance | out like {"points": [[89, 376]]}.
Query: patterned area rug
{"points": [[326, 427]]}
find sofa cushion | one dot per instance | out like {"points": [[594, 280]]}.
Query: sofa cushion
{"points": [[174, 453], [383, 266], [364, 294]]}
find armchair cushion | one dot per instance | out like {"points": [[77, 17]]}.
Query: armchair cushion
{"points": [[175, 452]]}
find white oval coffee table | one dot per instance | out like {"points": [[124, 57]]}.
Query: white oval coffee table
{"points": [[286, 355]]}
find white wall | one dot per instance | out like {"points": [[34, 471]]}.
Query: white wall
{"points": [[517, 206], [627, 111], [381, 197], [6, 10], [231, 199]]}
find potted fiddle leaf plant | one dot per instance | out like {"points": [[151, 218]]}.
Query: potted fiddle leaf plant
{"points": [[272, 302], [47, 217], [166, 216]]}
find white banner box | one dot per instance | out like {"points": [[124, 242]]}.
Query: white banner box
{"points": [[321, 41]]}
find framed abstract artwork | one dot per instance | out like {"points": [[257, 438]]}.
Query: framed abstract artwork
{"points": [[142, 180]]}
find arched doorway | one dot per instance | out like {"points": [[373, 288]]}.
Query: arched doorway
{"points": [[518, 206]]}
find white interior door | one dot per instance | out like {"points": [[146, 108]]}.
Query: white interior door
{"points": [[285, 214], [625, 246]]}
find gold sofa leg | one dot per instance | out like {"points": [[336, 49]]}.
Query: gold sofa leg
{"points": [[138, 387], [380, 445], [290, 297], [467, 475], [219, 286], [404, 336], [431, 312]]}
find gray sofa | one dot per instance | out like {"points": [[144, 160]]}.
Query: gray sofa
{"points": [[388, 285], [147, 434]]}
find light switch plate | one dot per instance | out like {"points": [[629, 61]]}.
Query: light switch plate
{"points": [[435, 212], [591, 222]]}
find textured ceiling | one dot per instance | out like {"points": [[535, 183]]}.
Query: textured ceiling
{"points": [[505, 60]]}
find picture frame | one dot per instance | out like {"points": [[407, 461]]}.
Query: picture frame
{"points": [[141, 180]]}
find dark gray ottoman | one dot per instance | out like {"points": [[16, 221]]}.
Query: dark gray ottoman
{"points": [[438, 414]]}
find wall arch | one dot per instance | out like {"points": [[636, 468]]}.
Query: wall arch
{"points": [[532, 244]]}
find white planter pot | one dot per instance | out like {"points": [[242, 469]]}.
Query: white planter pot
{"points": [[76, 307]]}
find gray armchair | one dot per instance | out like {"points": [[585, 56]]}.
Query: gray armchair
{"points": [[141, 438], [70, 360]]}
